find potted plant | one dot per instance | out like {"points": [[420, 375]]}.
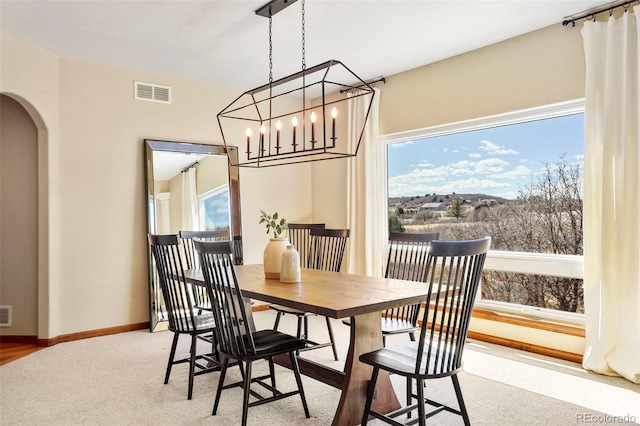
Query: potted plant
{"points": [[277, 245]]}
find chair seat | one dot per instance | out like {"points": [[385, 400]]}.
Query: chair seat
{"points": [[203, 322], [269, 342], [393, 325], [401, 359], [398, 325], [285, 310]]}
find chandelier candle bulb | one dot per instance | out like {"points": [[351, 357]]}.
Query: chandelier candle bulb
{"points": [[278, 127], [313, 129], [294, 123], [334, 114], [262, 132], [248, 142]]}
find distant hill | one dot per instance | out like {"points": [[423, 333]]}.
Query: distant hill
{"points": [[417, 201]]}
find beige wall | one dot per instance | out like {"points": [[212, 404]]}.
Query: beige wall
{"points": [[94, 173]]}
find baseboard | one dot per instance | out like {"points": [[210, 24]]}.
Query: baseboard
{"points": [[92, 333], [23, 340]]}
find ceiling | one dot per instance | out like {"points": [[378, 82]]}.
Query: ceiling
{"points": [[225, 42]]}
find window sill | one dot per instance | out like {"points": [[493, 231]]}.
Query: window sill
{"points": [[523, 321]]}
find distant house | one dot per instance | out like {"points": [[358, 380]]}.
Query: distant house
{"points": [[433, 206]]}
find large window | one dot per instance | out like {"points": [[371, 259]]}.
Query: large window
{"points": [[515, 177]]}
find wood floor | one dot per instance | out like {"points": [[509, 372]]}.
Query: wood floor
{"points": [[12, 351]]}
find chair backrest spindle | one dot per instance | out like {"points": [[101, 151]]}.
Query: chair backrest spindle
{"points": [[187, 240], [179, 296], [300, 238], [232, 330], [327, 248], [453, 275], [407, 260]]}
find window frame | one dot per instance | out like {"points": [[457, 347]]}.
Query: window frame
{"points": [[569, 266]]}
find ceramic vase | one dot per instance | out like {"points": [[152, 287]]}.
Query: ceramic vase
{"points": [[290, 270], [273, 257]]}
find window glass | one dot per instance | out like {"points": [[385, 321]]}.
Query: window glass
{"points": [[214, 207], [521, 183]]}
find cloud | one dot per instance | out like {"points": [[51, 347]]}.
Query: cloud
{"points": [[493, 148], [401, 144], [409, 186], [519, 171], [475, 155], [490, 166]]}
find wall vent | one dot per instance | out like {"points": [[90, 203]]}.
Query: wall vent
{"points": [[5, 316], [151, 92]]}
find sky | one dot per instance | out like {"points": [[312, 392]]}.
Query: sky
{"points": [[496, 161]]}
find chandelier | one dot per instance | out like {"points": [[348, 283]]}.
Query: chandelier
{"points": [[297, 118]]}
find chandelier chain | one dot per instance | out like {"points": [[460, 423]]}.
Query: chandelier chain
{"points": [[304, 63], [270, 52]]}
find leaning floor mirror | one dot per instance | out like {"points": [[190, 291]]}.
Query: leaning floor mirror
{"points": [[189, 187]]}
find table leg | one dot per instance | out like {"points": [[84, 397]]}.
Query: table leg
{"points": [[366, 336]]}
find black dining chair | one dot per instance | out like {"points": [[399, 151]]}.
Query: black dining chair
{"points": [[325, 252], [300, 238], [454, 270], [187, 240], [236, 340], [182, 302], [406, 260]]}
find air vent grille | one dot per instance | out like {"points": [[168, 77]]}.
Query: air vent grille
{"points": [[5, 316], [151, 92]]}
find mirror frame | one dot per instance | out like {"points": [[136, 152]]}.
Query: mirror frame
{"points": [[153, 145]]}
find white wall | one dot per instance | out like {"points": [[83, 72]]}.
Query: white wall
{"points": [[96, 210]]}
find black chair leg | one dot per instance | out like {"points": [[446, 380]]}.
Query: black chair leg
{"points": [[171, 355], [331, 339], [421, 404], [463, 408], [370, 392], [296, 372], [277, 323], [299, 330], [223, 373], [409, 397], [247, 389], [192, 363], [272, 373]]}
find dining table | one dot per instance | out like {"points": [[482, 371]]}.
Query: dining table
{"points": [[336, 295]]}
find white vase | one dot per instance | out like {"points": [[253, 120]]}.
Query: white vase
{"points": [[273, 257], [290, 270]]}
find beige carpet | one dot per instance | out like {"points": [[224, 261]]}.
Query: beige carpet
{"points": [[117, 380]]}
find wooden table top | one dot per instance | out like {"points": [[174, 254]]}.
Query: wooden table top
{"points": [[333, 294]]}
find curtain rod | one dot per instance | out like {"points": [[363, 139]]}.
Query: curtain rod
{"points": [[592, 15], [189, 166], [381, 79]]}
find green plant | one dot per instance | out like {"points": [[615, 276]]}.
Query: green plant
{"points": [[273, 224]]}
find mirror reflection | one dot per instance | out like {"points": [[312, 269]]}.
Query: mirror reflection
{"points": [[190, 187]]}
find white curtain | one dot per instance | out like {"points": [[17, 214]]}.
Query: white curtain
{"points": [[189, 201], [612, 197], [366, 204]]}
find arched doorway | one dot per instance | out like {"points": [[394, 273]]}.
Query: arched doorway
{"points": [[23, 185]]}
